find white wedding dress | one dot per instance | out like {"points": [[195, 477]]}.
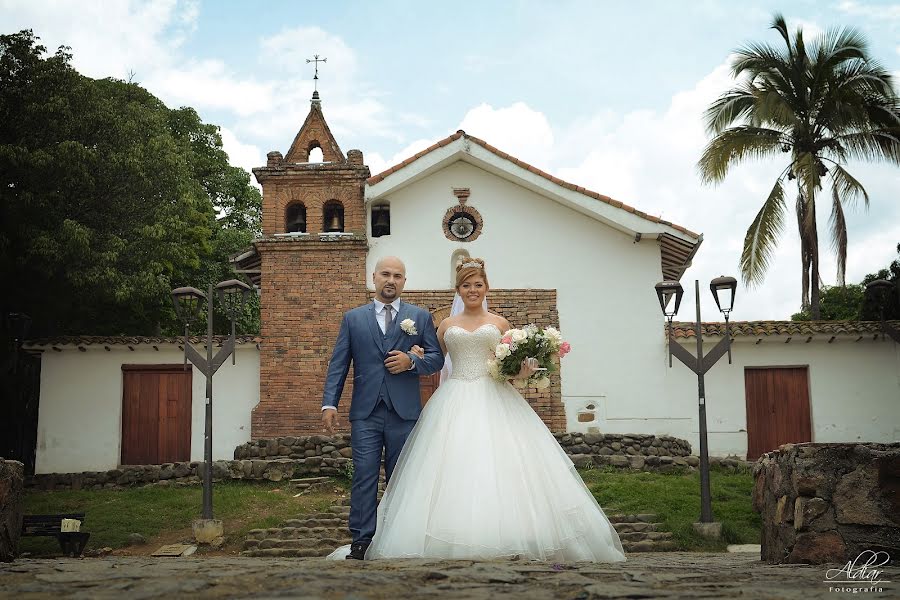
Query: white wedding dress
{"points": [[482, 477]]}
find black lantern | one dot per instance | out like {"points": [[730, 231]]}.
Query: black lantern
{"points": [[727, 287], [878, 295], [187, 303], [18, 324], [665, 291], [233, 296]]}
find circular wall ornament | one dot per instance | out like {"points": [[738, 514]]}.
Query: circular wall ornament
{"points": [[462, 223]]}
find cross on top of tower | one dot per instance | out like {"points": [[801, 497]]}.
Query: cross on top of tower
{"points": [[316, 60]]}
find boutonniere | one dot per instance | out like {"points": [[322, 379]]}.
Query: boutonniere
{"points": [[408, 326]]}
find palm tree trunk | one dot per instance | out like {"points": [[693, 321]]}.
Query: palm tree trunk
{"points": [[815, 308], [804, 253]]}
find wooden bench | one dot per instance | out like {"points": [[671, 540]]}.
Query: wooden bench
{"points": [[72, 543]]}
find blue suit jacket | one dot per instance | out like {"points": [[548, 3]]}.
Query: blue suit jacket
{"points": [[361, 342]]}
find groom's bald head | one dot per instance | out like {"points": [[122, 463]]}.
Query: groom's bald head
{"points": [[389, 278]]}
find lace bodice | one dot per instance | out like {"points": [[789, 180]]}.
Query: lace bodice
{"points": [[471, 351]]}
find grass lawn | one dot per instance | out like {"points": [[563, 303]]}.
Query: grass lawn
{"points": [[163, 515], [675, 498]]}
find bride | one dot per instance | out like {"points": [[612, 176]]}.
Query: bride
{"points": [[481, 476]]}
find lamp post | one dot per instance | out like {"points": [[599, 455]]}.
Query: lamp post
{"points": [[700, 364], [877, 292], [232, 295], [17, 324]]}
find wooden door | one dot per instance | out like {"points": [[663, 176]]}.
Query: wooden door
{"points": [[156, 414], [427, 385], [777, 408]]}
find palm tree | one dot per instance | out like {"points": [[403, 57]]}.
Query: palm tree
{"points": [[822, 105]]}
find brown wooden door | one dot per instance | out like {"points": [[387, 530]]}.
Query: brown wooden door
{"points": [[777, 408], [427, 385], [156, 414]]}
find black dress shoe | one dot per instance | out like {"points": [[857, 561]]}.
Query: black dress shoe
{"points": [[358, 551]]}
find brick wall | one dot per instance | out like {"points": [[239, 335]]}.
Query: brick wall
{"points": [[312, 184], [307, 286]]}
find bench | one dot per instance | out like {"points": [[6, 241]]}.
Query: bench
{"points": [[72, 543]]}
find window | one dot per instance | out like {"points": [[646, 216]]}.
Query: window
{"points": [[381, 220], [295, 218], [333, 216]]}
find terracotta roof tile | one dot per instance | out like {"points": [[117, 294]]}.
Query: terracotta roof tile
{"points": [[683, 329], [570, 186], [124, 340]]}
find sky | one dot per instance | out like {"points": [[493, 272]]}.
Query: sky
{"points": [[604, 94]]}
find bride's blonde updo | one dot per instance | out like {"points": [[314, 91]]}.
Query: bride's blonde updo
{"points": [[468, 268]]}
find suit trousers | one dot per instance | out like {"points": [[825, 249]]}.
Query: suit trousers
{"points": [[383, 430]]}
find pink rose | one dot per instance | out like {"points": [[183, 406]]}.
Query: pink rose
{"points": [[506, 339], [564, 349]]}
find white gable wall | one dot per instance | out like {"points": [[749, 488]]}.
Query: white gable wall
{"points": [[607, 305], [80, 410]]}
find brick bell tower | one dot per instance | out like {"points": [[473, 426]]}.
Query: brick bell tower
{"points": [[312, 268]]}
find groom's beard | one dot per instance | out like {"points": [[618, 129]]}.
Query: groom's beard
{"points": [[388, 293]]}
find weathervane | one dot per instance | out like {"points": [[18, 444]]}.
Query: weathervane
{"points": [[315, 59]]}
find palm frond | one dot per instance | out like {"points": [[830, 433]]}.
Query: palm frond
{"points": [[762, 236], [736, 144], [733, 106], [846, 188], [883, 145], [838, 234]]}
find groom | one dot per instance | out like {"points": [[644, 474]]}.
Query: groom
{"points": [[377, 339]]}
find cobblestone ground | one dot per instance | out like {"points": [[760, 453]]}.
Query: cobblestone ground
{"points": [[649, 575]]}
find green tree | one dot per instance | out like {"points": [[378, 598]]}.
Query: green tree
{"points": [[871, 307], [822, 105], [838, 303], [108, 199]]}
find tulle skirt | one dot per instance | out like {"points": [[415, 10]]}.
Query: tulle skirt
{"points": [[481, 477]]}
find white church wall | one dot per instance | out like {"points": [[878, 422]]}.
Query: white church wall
{"points": [[604, 280], [854, 389], [80, 409]]}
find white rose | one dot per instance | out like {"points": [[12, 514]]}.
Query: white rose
{"points": [[554, 334], [494, 369], [408, 326], [542, 383], [517, 335], [502, 351]]}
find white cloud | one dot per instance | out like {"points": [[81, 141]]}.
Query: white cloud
{"points": [[108, 39], [292, 48], [872, 11], [246, 156], [208, 84], [518, 130]]}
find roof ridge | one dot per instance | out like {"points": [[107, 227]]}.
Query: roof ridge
{"points": [[531, 168]]}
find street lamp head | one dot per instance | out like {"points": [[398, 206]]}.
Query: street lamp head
{"points": [[727, 286], [233, 295], [665, 291], [18, 324], [187, 303]]}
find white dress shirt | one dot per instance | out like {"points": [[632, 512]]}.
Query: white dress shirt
{"points": [[379, 312]]}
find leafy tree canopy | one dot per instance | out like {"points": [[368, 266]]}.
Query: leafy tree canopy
{"points": [[109, 200]]}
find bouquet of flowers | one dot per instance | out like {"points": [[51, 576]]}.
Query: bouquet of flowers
{"points": [[546, 345]]}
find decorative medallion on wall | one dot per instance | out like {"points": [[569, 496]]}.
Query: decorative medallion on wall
{"points": [[462, 223]]}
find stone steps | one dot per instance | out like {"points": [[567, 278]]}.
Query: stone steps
{"points": [[318, 534]]}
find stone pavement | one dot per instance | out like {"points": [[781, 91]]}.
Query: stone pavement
{"points": [[647, 575]]}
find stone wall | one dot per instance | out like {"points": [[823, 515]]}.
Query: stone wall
{"points": [[824, 503], [11, 481], [278, 459]]}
